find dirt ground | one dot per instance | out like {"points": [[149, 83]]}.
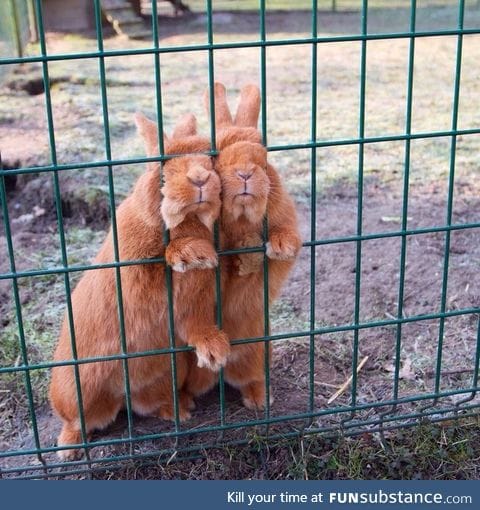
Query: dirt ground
{"points": [[335, 284], [85, 209]]}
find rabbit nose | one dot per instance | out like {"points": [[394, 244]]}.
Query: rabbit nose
{"points": [[244, 174], [198, 181]]}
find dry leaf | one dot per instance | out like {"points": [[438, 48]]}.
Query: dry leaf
{"points": [[406, 372]]}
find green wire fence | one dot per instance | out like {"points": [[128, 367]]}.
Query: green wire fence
{"points": [[37, 459]]}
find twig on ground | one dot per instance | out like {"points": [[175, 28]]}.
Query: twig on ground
{"points": [[431, 373], [328, 385], [347, 383]]}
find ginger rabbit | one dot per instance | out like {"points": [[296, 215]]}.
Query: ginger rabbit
{"points": [[190, 205], [251, 190]]}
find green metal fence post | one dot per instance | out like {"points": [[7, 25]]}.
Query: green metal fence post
{"points": [[213, 148], [361, 158], [406, 183], [313, 206], [166, 232], [451, 185], [111, 192], [58, 209], [266, 298], [19, 317]]}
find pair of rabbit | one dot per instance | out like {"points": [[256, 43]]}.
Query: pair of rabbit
{"points": [[190, 205]]}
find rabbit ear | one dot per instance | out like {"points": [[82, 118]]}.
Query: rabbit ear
{"points": [[249, 107], [186, 126], [223, 117], [148, 130]]}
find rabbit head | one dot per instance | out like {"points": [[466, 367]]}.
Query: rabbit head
{"points": [[245, 184], [191, 186], [242, 161]]}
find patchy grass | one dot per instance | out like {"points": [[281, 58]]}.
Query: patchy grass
{"points": [[439, 452], [43, 306], [286, 317]]}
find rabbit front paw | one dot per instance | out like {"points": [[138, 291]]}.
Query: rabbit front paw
{"points": [[195, 254], [283, 246], [212, 350]]}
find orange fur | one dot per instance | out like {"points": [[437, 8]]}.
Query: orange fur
{"points": [[242, 166], [190, 209]]}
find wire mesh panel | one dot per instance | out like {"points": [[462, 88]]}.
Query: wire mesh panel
{"points": [[335, 388]]}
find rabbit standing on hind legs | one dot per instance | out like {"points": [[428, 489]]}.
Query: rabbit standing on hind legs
{"points": [[251, 191], [190, 205]]}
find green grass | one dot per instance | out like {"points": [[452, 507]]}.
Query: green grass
{"points": [[285, 318], [440, 452]]}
